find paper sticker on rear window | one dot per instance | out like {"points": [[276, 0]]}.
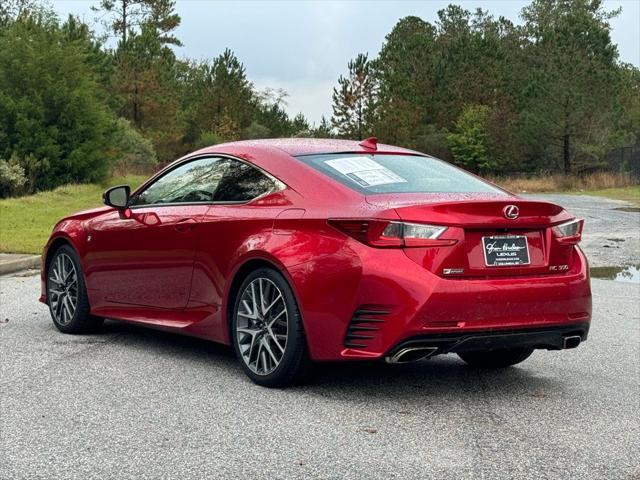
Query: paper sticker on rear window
{"points": [[364, 171]]}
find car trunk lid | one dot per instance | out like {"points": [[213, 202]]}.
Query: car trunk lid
{"points": [[495, 236]]}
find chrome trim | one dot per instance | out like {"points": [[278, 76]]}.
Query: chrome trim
{"points": [[397, 357], [511, 212]]}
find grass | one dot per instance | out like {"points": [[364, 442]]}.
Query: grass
{"points": [[628, 194], [619, 186], [26, 222], [566, 183]]}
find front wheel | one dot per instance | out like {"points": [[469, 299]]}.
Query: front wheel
{"points": [[267, 330], [67, 294], [500, 358]]}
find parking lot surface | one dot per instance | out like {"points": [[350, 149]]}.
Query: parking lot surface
{"points": [[136, 403]]}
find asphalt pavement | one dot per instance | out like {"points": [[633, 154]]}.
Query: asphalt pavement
{"points": [[136, 403]]}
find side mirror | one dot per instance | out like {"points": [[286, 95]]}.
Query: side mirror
{"points": [[117, 197]]}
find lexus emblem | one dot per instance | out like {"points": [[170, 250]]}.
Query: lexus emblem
{"points": [[511, 212]]}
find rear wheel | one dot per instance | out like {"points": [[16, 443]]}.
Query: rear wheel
{"points": [[501, 358], [267, 330], [67, 295]]}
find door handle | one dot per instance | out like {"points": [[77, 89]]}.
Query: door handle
{"points": [[185, 225]]}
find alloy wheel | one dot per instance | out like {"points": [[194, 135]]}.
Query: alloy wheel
{"points": [[262, 326], [63, 288]]}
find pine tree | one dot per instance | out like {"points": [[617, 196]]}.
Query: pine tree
{"points": [[354, 100], [324, 130], [161, 17], [121, 16]]}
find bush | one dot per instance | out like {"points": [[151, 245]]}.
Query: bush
{"points": [[134, 153], [470, 141], [206, 139], [53, 114], [12, 178], [433, 141], [256, 130]]}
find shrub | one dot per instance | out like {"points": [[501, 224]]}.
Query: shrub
{"points": [[470, 141], [431, 140], [53, 114], [12, 178], [206, 139], [256, 130], [134, 153]]}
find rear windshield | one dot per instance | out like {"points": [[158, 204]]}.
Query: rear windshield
{"points": [[373, 173]]}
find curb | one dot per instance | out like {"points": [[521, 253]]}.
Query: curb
{"points": [[19, 264]]}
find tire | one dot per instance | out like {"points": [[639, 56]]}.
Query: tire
{"points": [[272, 350], [69, 315], [496, 358]]}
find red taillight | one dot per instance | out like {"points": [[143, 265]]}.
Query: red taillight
{"points": [[389, 234], [569, 232]]}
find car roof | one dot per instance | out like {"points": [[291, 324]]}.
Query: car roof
{"points": [[311, 146], [275, 157]]}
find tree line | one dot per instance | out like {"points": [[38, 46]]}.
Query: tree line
{"points": [[549, 95], [470, 88], [73, 109]]}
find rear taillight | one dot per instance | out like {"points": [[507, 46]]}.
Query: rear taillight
{"points": [[385, 233], [569, 232]]}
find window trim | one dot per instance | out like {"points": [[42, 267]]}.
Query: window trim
{"points": [[279, 184]]}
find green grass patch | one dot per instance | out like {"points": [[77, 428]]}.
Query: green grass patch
{"points": [[628, 194], [26, 222]]}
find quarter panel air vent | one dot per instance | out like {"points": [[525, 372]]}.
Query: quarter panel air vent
{"points": [[363, 327]]}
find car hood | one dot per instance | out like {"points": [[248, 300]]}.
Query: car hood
{"points": [[91, 212]]}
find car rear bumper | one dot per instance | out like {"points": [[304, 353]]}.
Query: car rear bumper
{"points": [[376, 300], [549, 338]]}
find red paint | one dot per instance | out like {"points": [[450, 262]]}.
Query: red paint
{"points": [[171, 267]]}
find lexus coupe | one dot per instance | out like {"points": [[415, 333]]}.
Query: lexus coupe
{"points": [[303, 250]]}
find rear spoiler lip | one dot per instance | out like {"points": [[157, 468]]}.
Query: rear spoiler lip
{"points": [[407, 199], [484, 213]]}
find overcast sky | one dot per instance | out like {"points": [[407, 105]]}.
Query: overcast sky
{"points": [[303, 46]]}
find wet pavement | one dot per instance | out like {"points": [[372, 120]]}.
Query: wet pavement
{"points": [[611, 236]]}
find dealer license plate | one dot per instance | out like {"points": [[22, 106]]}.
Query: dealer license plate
{"points": [[505, 250]]}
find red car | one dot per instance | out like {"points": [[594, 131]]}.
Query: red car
{"points": [[299, 249]]}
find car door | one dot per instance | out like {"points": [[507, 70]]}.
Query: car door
{"points": [[240, 219], [144, 255]]}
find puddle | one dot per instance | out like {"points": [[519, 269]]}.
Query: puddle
{"points": [[628, 209], [628, 274]]}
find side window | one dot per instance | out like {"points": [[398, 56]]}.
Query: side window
{"points": [[242, 182], [193, 182]]}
